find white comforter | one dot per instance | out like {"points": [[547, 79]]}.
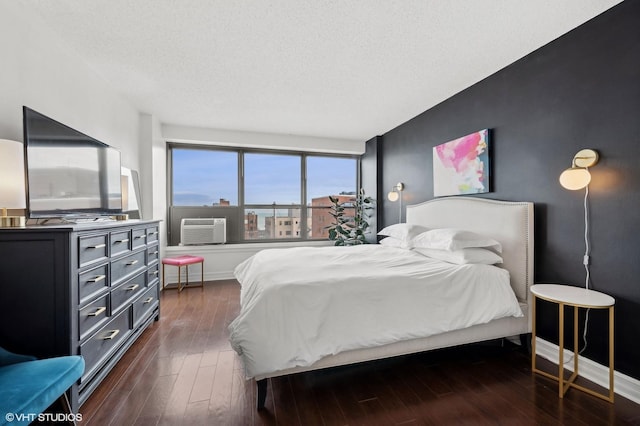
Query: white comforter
{"points": [[301, 304]]}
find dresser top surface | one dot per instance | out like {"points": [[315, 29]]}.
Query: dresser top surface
{"points": [[81, 226]]}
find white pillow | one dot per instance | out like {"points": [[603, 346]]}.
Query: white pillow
{"points": [[394, 242], [454, 239], [403, 231], [463, 256]]}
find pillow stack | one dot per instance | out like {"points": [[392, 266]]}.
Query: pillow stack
{"points": [[447, 244], [401, 234]]}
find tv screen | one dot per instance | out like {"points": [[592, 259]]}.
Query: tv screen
{"points": [[69, 174]]}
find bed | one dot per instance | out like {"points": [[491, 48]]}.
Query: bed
{"points": [[311, 310]]}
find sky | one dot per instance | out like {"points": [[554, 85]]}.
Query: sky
{"points": [[202, 177]]}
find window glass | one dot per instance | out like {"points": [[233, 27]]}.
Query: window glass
{"points": [[259, 224], [272, 178], [204, 177], [329, 176]]}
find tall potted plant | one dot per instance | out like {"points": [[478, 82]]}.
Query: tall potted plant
{"points": [[350, 219]]}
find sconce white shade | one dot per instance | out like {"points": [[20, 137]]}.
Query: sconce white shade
{"points": [[575, 178], [394, 195], [12, 186]]}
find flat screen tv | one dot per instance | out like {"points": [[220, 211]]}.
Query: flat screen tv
{"points": [[68, 174]]}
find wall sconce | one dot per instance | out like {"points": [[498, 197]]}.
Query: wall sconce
{"points": [[12, 186], [578, 176], [396, 194]]}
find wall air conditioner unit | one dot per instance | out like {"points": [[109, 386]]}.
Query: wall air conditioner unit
{"points": [[203, 231]]}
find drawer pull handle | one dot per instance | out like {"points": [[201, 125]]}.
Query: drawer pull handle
{"points": [[133, 262], [155, 252], [149, 300], [132, 287], [125, 240], [113, 334], [153, 233], [140, 236], [97, 246], [97, 312], [97, 279], [155, 272]]}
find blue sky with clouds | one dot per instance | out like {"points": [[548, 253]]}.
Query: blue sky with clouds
{"points": [[202, 177]]}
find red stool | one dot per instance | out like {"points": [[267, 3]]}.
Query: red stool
{"points": [[180, 261]]}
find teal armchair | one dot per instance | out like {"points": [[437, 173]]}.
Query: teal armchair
{"points": [[28, 386]]}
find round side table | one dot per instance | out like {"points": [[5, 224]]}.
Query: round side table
{"points": [[577, 297]]}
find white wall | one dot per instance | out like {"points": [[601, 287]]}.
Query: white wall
{"points": [[38, 70]]}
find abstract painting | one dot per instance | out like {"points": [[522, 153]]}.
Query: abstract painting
{"points": [[461, 166]]}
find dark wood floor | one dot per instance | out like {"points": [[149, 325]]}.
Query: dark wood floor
{"points": [[183, 371]]}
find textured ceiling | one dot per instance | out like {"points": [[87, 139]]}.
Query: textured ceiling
{"points": [[348, 69]]}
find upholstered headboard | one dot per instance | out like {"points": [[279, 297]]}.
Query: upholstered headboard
{"points": [[510, 223]]}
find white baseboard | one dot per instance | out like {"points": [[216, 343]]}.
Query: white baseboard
{"points": [[624, 385]]}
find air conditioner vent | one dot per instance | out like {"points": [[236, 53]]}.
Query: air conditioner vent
{"points": [[195, 231]]}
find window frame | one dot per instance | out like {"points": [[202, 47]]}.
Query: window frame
{"points": [[241, 207]]}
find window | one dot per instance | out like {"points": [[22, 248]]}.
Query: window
{"points": [[270, 178], [264, 195], [204, 177], [327, 176], [263, 221]]}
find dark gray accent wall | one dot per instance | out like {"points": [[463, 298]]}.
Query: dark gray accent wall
{"points": [[580, 91], [370, 173]]}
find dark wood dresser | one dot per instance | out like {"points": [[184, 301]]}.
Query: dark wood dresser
{"points": [[83, 289]]}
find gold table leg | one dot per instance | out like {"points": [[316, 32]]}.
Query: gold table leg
{"points": [[575, 340], [561, 354], [533, 333], [611, 328]]}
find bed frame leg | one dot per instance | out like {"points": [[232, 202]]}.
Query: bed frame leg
{"points": [[525, 342], [262, 393]]}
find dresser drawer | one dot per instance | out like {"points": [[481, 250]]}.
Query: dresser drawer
{"points": [[127, 266], [120, 242], [153, 234], [92, 282], [153, 274], [92, 249], [139, 238], [91, 316], [126, 292], [153, 254], [103, 343], [144, 305]]}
